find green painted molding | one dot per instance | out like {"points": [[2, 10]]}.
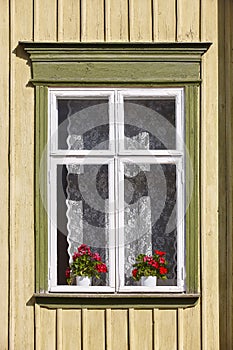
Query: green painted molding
{"points": [[61, 51], [115, 301], [41, 218], [192, 188], [105, 63]]}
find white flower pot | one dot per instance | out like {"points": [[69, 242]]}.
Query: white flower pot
{"points": [[148, 281], [83, 281]]}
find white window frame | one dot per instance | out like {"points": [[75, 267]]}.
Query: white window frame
{"points": [[115, 158]]}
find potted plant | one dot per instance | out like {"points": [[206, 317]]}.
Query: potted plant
{"points": [[84, 266], [150, 267]]}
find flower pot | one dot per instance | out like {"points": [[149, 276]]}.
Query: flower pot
{"points": [[148, 281], [83, 281]]}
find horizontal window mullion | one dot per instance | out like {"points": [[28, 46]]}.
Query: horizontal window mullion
{"points": [[120, 155], [81, 156], [152, 159], [77, 289], [148, 153], [81, 160]]}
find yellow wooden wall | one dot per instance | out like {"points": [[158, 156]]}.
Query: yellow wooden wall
{"points": [[225, 171], [26, 327]]}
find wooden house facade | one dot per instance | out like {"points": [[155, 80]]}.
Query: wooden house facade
{"points": [[31, 319]]}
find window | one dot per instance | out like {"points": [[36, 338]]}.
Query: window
{"points": [[119, 81], [116, 170]]}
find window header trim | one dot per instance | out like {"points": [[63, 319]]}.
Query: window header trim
{"points": [[114, 63]]}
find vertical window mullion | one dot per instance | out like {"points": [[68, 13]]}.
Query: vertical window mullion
{"points": [[53, 122], [112, 132], [180, 222], [120, 121], [121, 243], [53, 222], [112, 225]]}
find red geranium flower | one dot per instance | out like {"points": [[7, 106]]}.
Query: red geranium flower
{"points": [[96, 256], [148, 259], [163, 270], [68, 272], [101, 268], [150, 265], [85, 263], [84, 249], [155, 264], [161, 260], [158, 252], [76, 255]]}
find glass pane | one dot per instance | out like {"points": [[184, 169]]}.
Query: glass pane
{"points": [[150, 218], [83, 124], [82, 214], [150, 124]]}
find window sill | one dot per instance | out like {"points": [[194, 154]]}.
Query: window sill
{"points": [[116, 301]]}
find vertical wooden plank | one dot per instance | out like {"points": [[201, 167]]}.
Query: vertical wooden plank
{"points": [[223, 247], [190, 320], [225, 12], [131, 328], [140, 20], [167, 329], [108, 328], [229, 132], [48, 329], [45, 20], [93, 329], [209, 175], [71, 328], [230, 176], [92, 20], [143, 327], [180, 329], [59, 338], [84, 329], [21, 332], [117, 329], [188, 20], [37, 327], [164, 15], [4, 171], [69, 20], [116, 20], [155, 328]]}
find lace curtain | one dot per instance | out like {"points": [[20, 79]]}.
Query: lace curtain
{"points": [[87, 188], [137, 213], [87, 217]]}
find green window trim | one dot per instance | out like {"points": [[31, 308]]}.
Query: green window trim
{"points": [[116, 65], [121, 301]]}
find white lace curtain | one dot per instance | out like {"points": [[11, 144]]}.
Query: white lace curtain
{"points": [[138, 235]]}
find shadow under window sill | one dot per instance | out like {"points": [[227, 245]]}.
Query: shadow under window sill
{"points": [[114, 301]]}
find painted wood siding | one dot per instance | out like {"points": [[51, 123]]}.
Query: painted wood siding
{"points": [[225, 167], [91, 21], [117, 329], [4, 171]]}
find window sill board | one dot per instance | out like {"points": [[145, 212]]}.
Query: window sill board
{"points": [[116, 301]]}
